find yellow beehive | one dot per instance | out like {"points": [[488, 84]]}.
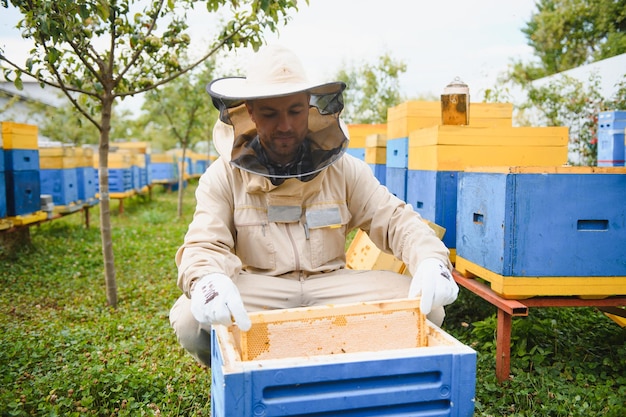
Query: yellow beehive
{"points": [[18, 136], [58, 157], [411, 115], [162, 158], [116, 160], [140, 147], [454, 148], [376, 140], [84, 157], [358, 133], [377, 155]]}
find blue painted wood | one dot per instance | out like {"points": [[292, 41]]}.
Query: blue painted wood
{"points": [[528, 224], [433, 194], [433, 382], [61, 184], [398, 153]]}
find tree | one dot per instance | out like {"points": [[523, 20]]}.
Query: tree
{"points": [[372, 89], [184, 109], [99, 51], [566, 34]]}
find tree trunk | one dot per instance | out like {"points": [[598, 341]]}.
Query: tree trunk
{"points": [[105, 205]]}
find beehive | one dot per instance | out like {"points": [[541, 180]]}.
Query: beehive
{"points": [[359, 133], [379, 358], [433, 194], [543, 231]]}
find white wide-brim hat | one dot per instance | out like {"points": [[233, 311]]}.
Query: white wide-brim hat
{"points": [[274, 71]]}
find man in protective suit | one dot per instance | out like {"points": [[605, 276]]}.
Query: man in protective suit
{"points": [[274, 209]]}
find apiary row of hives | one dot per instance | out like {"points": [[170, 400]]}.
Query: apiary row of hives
{"points": [[38, 179]]}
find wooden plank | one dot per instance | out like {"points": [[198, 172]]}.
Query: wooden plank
{"points": [[528, 287]]}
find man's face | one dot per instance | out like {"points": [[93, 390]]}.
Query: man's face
{"points": [[282, 124]]}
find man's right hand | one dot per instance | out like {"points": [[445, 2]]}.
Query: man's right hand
{"points": [[215, 299]]}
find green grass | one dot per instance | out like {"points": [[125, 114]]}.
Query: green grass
{"points": [[63, 352]]}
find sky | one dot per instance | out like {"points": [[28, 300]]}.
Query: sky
{"points": [[438, 41]]}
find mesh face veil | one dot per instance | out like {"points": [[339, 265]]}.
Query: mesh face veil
{"points": [[276, 72]]}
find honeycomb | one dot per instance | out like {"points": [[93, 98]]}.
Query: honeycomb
{"points": [[332, 330]]}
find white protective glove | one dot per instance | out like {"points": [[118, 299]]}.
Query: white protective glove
{"points": [[216, 300], [434, 282]]}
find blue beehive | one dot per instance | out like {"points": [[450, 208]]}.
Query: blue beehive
{"points": [[23, 191], [552, 223], [86, 178], [612, 120], [61, 184], [398, 153], [366, 359], [21, 159], [433, 194], [358, 153], [380, 172], [395, 180], [3, 196], [611, 148]]}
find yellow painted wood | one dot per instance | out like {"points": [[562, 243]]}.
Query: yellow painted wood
{"points": [[376, 155], [358, 133], [18, 136], [458, 158], [5, 224], [376, 140], [489, 136], [58, 157], [162, 158], [527, 287], [559, 169], [141, 147], [116, 160], [35, 217], [363, 254]]}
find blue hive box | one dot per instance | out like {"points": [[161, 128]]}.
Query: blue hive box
{"points": [[534, 231], [433, 194], [380, 172], [61, 184], [358, 153], [395, 180], [366, 359], [3, 196], [398, 153], [21, 159], [86, 177], [611, 148], [612, 120], [22, 192]]}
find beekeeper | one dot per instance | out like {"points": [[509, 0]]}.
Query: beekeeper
{"points": [[273, 211]]}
